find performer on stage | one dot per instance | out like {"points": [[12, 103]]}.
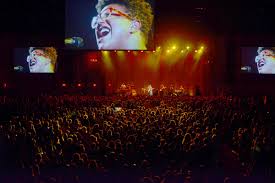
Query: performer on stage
{"points": [[150, 90], [123, 86]]}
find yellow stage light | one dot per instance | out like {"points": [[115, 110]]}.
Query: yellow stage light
{"points": [[106, 58]]}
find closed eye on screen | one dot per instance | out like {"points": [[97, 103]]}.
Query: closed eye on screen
{"points": [[106, 14], [116, 14], [119, 13]]}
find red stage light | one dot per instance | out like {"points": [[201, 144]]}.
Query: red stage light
{"points": [[109, 85], [64, 85], [5, 85], [79, 85], [94, 85], [93, 60]]}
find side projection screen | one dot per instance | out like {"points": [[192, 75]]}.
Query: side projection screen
{"points": [[109, 24], [35, 60], [258, 60]]}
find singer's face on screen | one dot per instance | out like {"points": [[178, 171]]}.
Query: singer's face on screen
{"points": [[113, 28], [266, 62], [39, 62]]}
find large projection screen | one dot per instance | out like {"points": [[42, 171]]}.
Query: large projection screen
{"points": [[110, 24], [35, 60], [258, 60]]}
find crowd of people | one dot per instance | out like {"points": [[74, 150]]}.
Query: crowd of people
{"points": [[137, 139]]}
